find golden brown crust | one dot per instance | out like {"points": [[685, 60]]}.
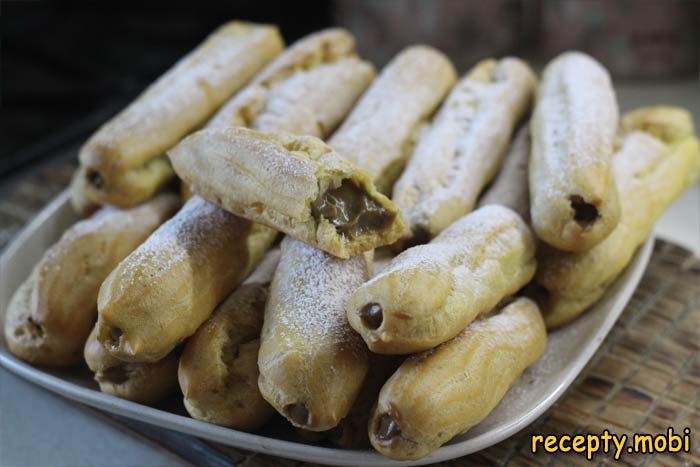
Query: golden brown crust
{"points": [[166, 288], [461, 150], [650, 174], [510, 188], [664, 122], [145, 383], [277, 179], [429, 293], [306, 90], [573, 198], [311, 362], [379, 133], [124, 161], [351, 432], [218, 370], [54, 310], [161, 297], [442, 392]]}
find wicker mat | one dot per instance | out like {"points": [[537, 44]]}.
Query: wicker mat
{"points": [[644, 378]]}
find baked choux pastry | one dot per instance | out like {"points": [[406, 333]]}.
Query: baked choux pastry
{"points": [[573, 198], [462, 149], [145, 383], [124, 162], [294, 184], [510, 187], [312, 364], [307, 90], [650, 173], [351, 432], [429, 293], [163, 291], [218, 370], [379, 134], [53, 312], [438, 394], [212, 225]]}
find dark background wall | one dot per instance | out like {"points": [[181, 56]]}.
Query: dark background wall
{"points": [[67, 66]]}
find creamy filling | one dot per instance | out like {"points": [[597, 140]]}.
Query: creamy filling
{"points": [[351, 210], [585, 214]]}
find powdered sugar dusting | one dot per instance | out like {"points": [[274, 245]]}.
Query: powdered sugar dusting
{"points": [[408, 90], [578, 112], [187, 94], [464, 145], [488, 233], [308, 295], [178, 240]]}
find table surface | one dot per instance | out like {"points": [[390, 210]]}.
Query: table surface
{"points": [[40, 428]]}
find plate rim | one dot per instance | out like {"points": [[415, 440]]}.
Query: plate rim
{"points": [[291, 449]]}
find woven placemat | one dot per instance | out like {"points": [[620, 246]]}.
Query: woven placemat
{"points": [[644, 378]]}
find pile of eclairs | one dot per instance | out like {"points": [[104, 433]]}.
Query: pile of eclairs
{"points": [[231, 215]]}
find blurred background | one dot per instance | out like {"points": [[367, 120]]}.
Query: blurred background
{"points": [[67, 66]]}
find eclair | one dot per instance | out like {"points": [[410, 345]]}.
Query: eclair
{"points": [[378, 136], [573, 197], [510, 187], [438, 394], [294, 184], [124, 162], [650, 174], [462, 149], [215, 265], [52, 313], [430, 292], [218, 369], [306, 90], [79, 198], [164, 290], [351, 432], [312, 364], [145, 383]]}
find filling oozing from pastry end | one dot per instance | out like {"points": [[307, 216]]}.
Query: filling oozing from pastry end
{"points": [[372, 315], [298, 413], [351, 210], [387, 428], [95, 179], [584, 213]]}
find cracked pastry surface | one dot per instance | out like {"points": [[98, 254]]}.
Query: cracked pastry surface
{"points": [[295, 184], [429, 293], [462, 148], [163, 291], [379, 133], [650, 174], [145, 383], [306, 90], [52, 313], [573, 197], [218, 370], [440, 393], [124, 161], [204, 237], [312, 364]]}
